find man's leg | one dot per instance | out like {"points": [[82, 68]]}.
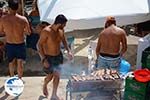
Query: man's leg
{"points": [[47, 79], [20, 68], [55, 85], [12, 65]]}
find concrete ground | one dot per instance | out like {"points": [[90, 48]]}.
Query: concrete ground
{"points": [[33, 89], [33, 74]]}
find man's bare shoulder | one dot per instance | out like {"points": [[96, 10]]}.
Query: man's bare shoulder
{"points": [[123, 32], [21, 17], [105, 30], [120, 30], [46, 30]]}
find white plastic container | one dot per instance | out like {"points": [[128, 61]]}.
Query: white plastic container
{"points": [[143, 43]]}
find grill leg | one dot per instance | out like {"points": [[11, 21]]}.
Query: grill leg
{"points": [[66, 95], [70, 95]]}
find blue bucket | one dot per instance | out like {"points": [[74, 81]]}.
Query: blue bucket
{"points": [[124, 67]]}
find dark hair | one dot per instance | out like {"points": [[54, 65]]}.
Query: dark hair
{"points": [[45, 23], [13, 4], [109, 21], [60, 19]]}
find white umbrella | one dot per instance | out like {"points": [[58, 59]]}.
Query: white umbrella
{"points": [[86, 14]]}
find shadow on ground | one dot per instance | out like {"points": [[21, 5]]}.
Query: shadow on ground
{"points": [[33, 67], [41, 97]]}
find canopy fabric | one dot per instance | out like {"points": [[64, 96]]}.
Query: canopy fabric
{"points": [[86, 14]]}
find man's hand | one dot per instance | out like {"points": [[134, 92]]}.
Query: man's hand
{"points": [[70, 55], [45, 63]]}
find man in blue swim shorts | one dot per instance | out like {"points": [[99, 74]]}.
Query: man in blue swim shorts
{"points": [[111, 46], [14, 27]]}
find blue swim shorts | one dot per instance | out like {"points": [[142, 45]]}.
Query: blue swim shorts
{"points": [[17, 51]]}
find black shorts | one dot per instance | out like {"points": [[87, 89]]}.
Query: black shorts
{"points": [[17, 51], [54, 63], [31, 41]]}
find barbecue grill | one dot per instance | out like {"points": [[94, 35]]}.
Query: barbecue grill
{"points": [[93, 85]]}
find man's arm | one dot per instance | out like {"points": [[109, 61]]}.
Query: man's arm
{"points": [[27, 28], [41, 41], [124, 43], [65, 42], [98, 46], [1, 28], [70, 55]]}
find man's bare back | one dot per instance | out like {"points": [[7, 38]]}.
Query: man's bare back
{"points": [[110, 40], [14, 27]]}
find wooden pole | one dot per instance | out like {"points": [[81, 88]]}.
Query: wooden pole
{"points": [[22, 7]]}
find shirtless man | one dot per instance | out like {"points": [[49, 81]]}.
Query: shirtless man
{"points": [[50, 53], [14, 27], [112, 44]]}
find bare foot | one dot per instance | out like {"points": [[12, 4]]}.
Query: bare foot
{"points": [[45, 92]]}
